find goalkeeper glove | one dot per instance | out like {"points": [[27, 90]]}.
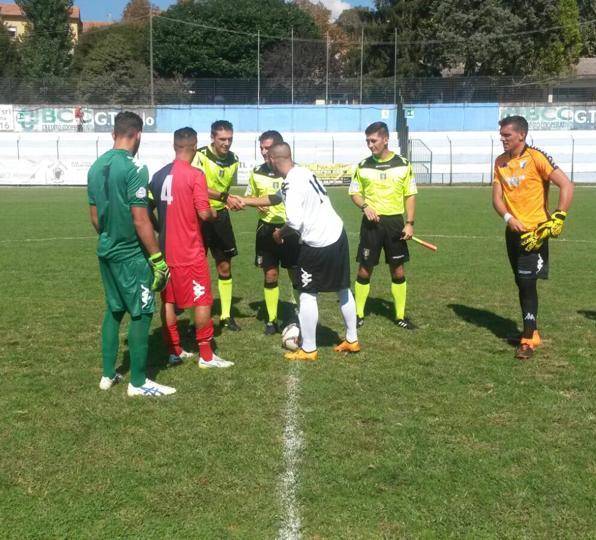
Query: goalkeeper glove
{"points": [[161, 272], [558, 220], [530, 241]]}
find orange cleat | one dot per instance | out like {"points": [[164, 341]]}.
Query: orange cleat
{"points": [[302, 355], [347, 347]]}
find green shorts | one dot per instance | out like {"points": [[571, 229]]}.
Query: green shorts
{"points": [[127, 285]]}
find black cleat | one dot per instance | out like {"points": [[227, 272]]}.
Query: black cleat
{"points": [[359, 322], [230, 324], [406, 324], [271, 328]]}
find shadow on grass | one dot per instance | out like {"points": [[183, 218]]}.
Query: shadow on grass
{"points": [[500, 326], [285, 312], [587, 314], [381, 307], [158, 353]]}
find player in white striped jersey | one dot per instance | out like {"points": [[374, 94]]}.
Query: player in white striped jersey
{"points": [[324, 260]]}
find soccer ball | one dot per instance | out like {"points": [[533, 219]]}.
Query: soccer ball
{"points": [[290, 337]]}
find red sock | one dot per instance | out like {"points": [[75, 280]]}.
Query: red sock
{"points": [[204, 336], [172, 338]]}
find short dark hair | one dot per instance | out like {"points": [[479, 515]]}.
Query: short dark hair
{"points": [[182, 135], [127, 124], [276, 146], [275, 136], [221, 125], [519, 123], [377, 127]]}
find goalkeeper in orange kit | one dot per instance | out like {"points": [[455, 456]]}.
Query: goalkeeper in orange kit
{"points": [[522, 177]]}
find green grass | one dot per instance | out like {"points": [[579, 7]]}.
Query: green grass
{"points": [[434, 433]]}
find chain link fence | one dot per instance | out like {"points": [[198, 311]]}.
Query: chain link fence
{"points": [[214, 91]]}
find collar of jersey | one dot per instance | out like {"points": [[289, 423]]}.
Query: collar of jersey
{"points": [[392, 155]]}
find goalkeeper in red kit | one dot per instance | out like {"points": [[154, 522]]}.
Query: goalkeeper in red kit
{"points": [[179, 192]]}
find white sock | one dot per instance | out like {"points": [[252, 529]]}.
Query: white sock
{"points": [[348, 311], [309, 317]]}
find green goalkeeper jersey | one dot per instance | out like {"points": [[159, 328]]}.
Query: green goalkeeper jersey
{"points": [[262, 182], [220, 173], [384, 184], [115, 182]]}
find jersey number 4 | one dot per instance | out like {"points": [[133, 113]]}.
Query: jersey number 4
{"points": [[166, 190]]}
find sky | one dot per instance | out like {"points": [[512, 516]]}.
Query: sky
{"points": [[106, 10]]}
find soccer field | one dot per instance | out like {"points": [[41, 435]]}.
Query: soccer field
{"points": [[434, 433]]}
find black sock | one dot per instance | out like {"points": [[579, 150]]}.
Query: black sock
{"points": [[528, 300]]}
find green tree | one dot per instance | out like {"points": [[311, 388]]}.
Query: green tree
{"points": [[112, 72], [46, 48], [587, 12], [8, 54], [197, 51], [488, 37]]}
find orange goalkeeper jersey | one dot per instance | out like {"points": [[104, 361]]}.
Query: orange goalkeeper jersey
{"points": [[525, 182]]}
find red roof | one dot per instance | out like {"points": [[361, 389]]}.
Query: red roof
{"points": [[91, 25], [12, 10]]}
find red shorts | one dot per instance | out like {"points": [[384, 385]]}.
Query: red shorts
{"points": [[189, 286]]}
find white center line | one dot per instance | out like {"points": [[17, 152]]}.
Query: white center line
{"points": [[290, 528]]}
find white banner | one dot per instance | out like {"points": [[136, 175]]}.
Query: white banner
{"points": [[26, 172], [6, 118]]}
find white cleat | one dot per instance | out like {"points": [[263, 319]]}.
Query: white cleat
{"points": [[175, 359], [150, 388], [106, 382], [216, 362]]}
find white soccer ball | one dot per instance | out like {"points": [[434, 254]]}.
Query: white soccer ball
{"points": [[290, 337]]}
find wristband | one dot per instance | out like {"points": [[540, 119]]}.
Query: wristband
{"points": [[410, 223], [363, 207], [507, 216], [223, 196]]}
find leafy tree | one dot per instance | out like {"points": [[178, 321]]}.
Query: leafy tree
{"points": [[113, 73], [587, 12], [47, 46], [8, 54], [490, 37], [137, 11], [197, 51]]}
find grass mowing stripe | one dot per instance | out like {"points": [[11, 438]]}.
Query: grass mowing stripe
{"points": [[292, 446]]}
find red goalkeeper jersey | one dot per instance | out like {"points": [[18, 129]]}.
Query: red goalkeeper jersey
{"points": [[179, 191]]}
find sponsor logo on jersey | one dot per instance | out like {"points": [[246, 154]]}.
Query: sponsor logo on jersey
{"points": [[146, 296], [305, 277], [197, 290]]}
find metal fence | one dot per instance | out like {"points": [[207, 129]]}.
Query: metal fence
{"points": [[213, 91]]}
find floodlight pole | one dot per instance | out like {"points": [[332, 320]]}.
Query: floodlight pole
{"points": [[292, 65], [361, 61], [151, 89], [395, 68], [327, 72], [258, 67]]}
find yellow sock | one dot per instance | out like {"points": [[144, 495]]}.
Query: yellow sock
{"points": [[361, 291], [398, 291], [271, 300], [225, 296]]}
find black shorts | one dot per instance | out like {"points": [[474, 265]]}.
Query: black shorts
{"points": [[532, 265], [324, 269], [384, 234], [270, 254], [218, 236]]}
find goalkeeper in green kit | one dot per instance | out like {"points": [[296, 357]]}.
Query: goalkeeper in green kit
{"points": [[132, 267]]}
